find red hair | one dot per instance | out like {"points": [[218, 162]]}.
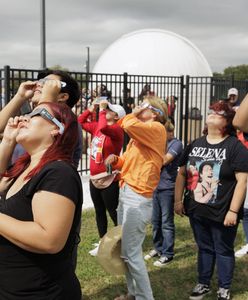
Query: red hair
{"points": [[61, 149], [221, 105]]}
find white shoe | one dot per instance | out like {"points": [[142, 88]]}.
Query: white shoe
{"points": [[162, 262], [152, 253], [94, 251], [96, 244], [241, 252]]}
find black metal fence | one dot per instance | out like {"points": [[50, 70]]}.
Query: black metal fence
{"points": [[193, 94]]}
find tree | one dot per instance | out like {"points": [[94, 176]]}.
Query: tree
{"points": [[239, 72], [58, 67]]}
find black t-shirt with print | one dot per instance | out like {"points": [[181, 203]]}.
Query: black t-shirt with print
{"points": [[210, 176]]}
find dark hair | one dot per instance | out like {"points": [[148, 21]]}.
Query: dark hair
{"points": [[205, 163], [61, 149], [192, 163], [221, 105], [105, 92], [71, 87]]}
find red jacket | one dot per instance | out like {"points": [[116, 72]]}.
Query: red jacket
{"points": [[106, 139]]}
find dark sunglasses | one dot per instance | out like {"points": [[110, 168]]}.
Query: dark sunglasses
{"points": [[47, 116], [221, 113], [147, 105]]}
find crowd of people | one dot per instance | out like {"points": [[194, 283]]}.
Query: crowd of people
{"points": [[41, 191]]}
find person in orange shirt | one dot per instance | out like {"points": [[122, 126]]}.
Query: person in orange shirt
{"points": [[140, 167]]}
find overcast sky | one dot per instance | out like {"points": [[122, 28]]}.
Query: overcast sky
{"points": [[219, 28]]}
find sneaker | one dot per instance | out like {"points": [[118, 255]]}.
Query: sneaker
{"points": [[199, 291], [94, 251], [96, 244], [162, 262], [151, 254], [241, 252], [223, 294]]}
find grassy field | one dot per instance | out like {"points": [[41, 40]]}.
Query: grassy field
{"points": [[171, 283]]}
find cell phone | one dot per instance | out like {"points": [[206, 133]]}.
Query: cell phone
{"points": [[109, 169]]}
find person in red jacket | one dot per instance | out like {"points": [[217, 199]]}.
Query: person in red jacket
{"points": [[107, 138]]}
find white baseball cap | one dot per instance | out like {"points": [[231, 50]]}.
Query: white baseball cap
{"points": [[118, 109], [232, 91]]}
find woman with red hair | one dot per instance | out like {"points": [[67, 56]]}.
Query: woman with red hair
{"points": [[41, 207], [214, 217]]}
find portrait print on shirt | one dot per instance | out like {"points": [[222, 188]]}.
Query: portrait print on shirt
{"points": [[220, 163], [203, 173]]}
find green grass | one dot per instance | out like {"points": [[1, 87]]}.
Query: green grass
{"points": [[171, 283]]}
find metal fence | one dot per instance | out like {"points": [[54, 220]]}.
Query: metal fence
{"points": [[194, 94]]}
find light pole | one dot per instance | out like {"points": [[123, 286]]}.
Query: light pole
{"points": [[42, 35], [88, 60], [87, 69]]}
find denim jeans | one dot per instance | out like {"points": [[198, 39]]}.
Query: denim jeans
{"points": [[215, 243], [134, 213], [163, 222], [245, 224]]}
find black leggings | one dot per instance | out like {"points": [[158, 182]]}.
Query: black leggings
{"points": [[105, 199]]}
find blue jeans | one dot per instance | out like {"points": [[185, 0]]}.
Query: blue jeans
{"points": [[245, 224], [215, 243], [163, 222], [134, 213]]}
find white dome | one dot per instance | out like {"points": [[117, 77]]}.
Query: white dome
{"points": [[153, 52]]}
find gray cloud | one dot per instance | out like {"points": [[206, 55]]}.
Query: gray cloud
{"points": [[217, 28]]}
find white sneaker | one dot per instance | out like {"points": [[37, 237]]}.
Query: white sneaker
{"points": [[152, 253], [94, 251], [96, 244], [241, 252], [162, 262]]}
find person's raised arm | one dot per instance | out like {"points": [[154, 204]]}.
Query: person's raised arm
{"points": [[8, 142], [240, 120], [25, 93], [113, 131], [147, 133], [87, 125]]}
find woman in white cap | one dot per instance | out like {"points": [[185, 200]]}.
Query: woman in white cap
{"points": [[107, 138]]}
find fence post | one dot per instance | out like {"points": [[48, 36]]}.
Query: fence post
{"points": [[6, 85], [181, 107], [232, 80], [186, 116], [212, 82], [125, 75]]}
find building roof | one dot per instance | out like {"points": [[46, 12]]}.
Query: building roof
{"points": [[153, 52]]}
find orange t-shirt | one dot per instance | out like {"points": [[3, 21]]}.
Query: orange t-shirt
{"points": [[141, 163]]}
